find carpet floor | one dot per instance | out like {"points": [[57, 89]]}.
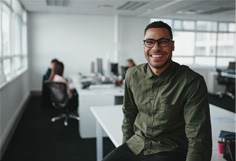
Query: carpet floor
{"points": [[36, 139]]}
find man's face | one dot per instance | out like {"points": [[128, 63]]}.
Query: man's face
{"points": [[158, 57]]}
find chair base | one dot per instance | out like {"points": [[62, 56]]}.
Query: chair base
{"points": [[65, 117], [221, 94]]}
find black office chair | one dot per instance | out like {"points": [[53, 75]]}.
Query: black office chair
{"points": [[45, 95], [229, 84], [60, 100]]}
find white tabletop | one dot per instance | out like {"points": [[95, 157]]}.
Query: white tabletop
{"points": [[225, 74], [110, 119]]}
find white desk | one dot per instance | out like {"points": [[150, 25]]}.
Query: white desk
{"points": [[96, 95], [229, 75], [109, 119]]}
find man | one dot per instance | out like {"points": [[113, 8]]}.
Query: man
{"points": [[166, 109]]}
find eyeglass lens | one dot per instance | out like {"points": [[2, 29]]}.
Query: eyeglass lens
{"points": [[163, 42]]}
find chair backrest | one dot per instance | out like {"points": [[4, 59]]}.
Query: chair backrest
{"points": [[58, 93], [220, 78]]}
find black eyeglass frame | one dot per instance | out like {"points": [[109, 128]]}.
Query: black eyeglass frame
{"points": [[158, 41]]}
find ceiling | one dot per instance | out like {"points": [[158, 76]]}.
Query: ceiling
{"points": [[217, 10]]}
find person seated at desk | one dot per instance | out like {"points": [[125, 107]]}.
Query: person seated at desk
{"points": [[47, 74], [130, 63], [57, 76], [45, 95]]}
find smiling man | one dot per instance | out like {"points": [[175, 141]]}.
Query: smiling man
{"points": [[166, 108]]}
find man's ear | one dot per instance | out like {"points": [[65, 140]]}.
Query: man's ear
{"points": [[173, 46]]}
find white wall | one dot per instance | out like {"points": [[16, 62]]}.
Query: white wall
{"points": [[12, 98], [131, 39], [77, 40]]}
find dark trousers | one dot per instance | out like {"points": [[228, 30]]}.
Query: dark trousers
{"points": [[123, 153]]}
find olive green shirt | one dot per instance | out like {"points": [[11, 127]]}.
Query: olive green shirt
{"points": [[169, 112]]}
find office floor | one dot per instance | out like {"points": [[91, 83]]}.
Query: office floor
{"points": [[37, 139]]}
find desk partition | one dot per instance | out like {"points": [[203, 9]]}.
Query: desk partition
{"points": [[96, 95]]}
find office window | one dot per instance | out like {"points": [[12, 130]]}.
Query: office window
{"points": [[225, 44], [206, 26], [188, 25], [168, 21], [6, 14], [207, 43], [184, 43], [223, 62], [177, 24], [7, 66], [13, 42], [223, 27], [232, 27], [16, 37], [16, 63], [16, 6], [1, 37], [183, 60]]}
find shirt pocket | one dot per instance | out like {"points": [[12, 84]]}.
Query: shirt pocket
{"points": [[170, 111]]}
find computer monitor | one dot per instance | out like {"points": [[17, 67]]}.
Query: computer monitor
{"points": [[123, 71], [114, 68], [92, 67], [100, 66], [231, 66]]}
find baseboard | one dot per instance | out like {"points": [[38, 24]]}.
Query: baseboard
{"points": [[35, 93]]}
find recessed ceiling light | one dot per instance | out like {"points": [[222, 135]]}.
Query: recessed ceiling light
{"points": [[188, 12], [105, 6]]}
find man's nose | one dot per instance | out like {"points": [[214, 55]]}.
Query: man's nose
{"points": [[156, 46]]}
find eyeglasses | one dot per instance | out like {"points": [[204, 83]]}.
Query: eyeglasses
{"points": [[162, 42]]}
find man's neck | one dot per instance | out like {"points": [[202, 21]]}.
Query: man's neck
{"points": [[158, 71]]}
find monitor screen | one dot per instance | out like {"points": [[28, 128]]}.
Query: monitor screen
{"points": [[114, 68], [92, 67], [231, 66], [100, 66], [123, 71]]}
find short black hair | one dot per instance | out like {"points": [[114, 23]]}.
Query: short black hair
{"points": [[54, 60], [159, 24]]}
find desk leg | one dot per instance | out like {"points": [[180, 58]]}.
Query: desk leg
{"points": [[99, 140]]}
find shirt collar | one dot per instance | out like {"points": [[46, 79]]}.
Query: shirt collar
{"points": [[166, 74]]}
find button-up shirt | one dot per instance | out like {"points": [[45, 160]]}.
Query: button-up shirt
{"points": [[167, 112]]}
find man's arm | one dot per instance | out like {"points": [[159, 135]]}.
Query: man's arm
{"points": [[130, 112], [197, 120]]}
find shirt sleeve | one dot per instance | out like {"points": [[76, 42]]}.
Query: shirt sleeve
{"points": [[47, 74], [130, 112], [197, 121]]}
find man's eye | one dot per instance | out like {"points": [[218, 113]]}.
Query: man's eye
{"points": [[163, 42], [149, 41]]}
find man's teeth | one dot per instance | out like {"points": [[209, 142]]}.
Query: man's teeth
{"points": [[156, 56]]}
